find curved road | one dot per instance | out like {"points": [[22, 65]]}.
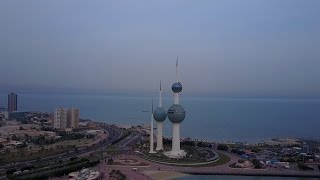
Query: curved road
{"points": [[114, 134]]}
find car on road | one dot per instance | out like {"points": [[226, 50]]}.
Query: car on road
{"points": [[135, 169], [25, 171], [17, 173]]}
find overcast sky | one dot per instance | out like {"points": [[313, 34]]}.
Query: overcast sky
{"points": [[269, 47]]}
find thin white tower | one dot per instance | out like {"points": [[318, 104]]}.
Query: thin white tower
{"points": [[151, 132], [160, 116], [176, 94]]}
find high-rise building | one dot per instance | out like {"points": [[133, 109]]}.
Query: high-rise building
{"points": [[12, 102], [60, 119], [66, 118], [73, 118]]}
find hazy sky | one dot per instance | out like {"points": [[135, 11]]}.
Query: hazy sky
{"points": [[269, 47]]}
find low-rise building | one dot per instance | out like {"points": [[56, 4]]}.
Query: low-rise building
{"points": [[85, 174]]}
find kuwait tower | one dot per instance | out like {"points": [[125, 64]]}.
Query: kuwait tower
{"points": [[176, 115], [160, 115], [151, 132]]}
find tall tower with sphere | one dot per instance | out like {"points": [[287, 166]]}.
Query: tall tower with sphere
{"points": [[176, 115], [160, 115]]}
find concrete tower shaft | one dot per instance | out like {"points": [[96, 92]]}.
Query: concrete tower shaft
{"points": [[151, 132], [176, 115], [160, 115]]}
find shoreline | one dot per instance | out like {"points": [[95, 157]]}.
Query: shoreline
{"points": [[164, 175], [251, 173], [282, 140], [161, 175], [225, 170]]}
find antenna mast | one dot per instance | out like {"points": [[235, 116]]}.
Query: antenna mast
{"points": [[160, 96], [177, 70], [152, 107]]}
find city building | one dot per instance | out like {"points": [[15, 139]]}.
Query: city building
{"points": [[60, 119], [73, 118], [4, 115], [17, 116], [66, 118], [176, 115], [12, 102]]}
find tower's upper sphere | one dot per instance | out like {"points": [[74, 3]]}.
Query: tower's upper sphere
{"points": [[160, 114], [176, 87], [176, 113]]}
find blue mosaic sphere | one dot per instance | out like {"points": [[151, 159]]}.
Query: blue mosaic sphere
{"points": [[160, 114], [176, 113]]}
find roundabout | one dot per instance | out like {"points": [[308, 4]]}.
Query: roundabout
{"points": [[194, 157]]}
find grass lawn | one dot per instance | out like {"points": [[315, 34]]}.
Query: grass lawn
{"points": [[195, 156], [224, 159], [198, 155]]}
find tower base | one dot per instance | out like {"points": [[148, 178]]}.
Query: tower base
{"points": [[159, 137], [176, 154], [159, 149]]}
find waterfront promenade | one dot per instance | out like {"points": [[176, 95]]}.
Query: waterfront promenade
{"points": [[211, 170]]}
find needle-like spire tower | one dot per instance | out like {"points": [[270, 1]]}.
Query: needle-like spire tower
{"points": [[160, 96], [177, 63], [151, 131]]}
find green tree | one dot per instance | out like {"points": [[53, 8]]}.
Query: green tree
{"points": [[257, 164], [223, 147]]}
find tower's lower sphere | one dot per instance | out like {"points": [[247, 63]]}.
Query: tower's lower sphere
{"points": [[176, 113], [160, 114]]}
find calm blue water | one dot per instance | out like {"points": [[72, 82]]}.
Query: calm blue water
{"points": [[207, 177], [220, 119]]}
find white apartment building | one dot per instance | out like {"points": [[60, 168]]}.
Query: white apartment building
{"points": [[66, 118], [73, 118], [60, 119]]}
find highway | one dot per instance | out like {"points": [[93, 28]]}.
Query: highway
{"points": [[133, 138], [114, 134]]}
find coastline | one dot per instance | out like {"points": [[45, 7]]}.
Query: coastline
{"points": [[180, 172], [164, 175], [226, 113], [251, 173]]}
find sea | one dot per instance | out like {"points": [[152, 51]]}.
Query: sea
{"points": [[227, 177], [208, 118]]}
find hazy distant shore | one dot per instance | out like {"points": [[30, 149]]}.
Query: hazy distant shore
{"points": [[226, 120]]}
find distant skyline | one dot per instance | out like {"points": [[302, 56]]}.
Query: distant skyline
{"points": [[225, 47]]}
